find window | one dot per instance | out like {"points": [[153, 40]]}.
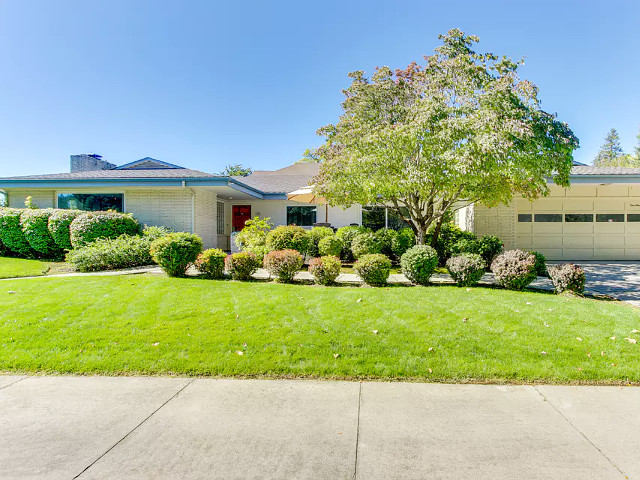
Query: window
{"points": [[524, 217], [610, 217], [302, 216], [374, 218], [91, 201], [633, 217], [578, 217], [548, 217], [220, 219]]}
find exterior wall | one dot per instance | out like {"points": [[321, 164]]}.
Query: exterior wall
{"points": [[499, 221], [42, 198], [205, 216]]}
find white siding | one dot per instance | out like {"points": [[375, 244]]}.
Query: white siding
{"points": [[206, 202], [169, 207], [499, 221], [41, 198]]}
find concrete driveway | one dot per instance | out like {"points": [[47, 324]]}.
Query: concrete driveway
{"points": [[618, 279], [168, 428]]}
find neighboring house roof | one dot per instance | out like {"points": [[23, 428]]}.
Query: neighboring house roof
{"points": [[282, 181], [148, 163], [588, 170]]}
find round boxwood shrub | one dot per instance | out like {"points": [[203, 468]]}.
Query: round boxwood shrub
{"points": [[11, 233], [364, 244], [111, 254], [90, 226], [175, 252], [242, 265], [58, 225], [325, 269], [466, 269], [514, 269], [283, 264], [403, 241], [34, 223], [315, 235], [541, 264], [211, 263], [288, 237], [490, 247], [330, 246], [347, 234], [567, 277], [373, 269], [385, 237], [418, 263]]}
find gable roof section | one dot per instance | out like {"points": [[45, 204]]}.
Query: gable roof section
{"points": [[148, 163]]}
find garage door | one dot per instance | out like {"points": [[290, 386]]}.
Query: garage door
{"points": [[582, 223]]}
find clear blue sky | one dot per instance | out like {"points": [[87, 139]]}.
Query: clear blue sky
{"points": [[204, 84]]}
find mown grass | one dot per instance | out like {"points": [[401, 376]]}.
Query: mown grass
{"points": [[157, 325], [20, 267]]}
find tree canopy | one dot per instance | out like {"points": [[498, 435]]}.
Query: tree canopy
{"points": [[430, 138], [236, 170], [611, 153]]}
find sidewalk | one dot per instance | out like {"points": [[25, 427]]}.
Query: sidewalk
{"points": [[168, 428]]}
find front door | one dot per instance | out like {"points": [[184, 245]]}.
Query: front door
{"points": [[240, 214]]}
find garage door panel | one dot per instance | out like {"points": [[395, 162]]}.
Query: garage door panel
{"points": [[632, 253], [633, 227], [524, 241], [578, 241], [551, 253], [587, 191], [632, 240], [578, 253], [547, 241], [609, 227], [573, 228], [551, 227], [615, 190], [610, 253], [547, 204], [605, 241], [633, 205], [523, 205], [523, 228], [609, 205], [577, 205]]}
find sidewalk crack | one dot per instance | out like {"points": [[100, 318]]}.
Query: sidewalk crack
{"points": [[13, 383], [134, 428], [355, 466]]}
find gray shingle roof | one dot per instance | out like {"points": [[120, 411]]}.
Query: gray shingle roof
{"points": [[285, 180], [589, 170], [118, 174]]}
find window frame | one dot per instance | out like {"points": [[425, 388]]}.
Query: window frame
{"points": [[75, 192]]}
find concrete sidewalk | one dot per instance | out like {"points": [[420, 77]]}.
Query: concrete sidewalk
{"points": [[169, 428]]}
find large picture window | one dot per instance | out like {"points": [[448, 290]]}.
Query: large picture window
{"points": [[375, 218], [301, 216], [91, 201]]}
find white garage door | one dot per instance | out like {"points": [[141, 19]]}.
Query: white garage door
{"points": [[585, 222]]}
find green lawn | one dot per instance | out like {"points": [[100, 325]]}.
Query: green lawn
{"points": [[158, 325], [20, 267]]}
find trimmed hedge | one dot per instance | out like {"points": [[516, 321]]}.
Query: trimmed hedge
{"points": [[385, 237], [541, 264], [288, 237], [283, 264], [211, 263], [315, 235], [466, 269], [373, 269], [514, 269], [11, 233], [176, 251], [89, 227], [330, 246], [112, 254], [242, 265], [58, 225], [418, 263], [325, 269], [35, 226]]}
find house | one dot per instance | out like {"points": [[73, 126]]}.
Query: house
{"points": [[598, 218]]}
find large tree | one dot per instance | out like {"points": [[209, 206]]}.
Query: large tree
{"points": [[236, 170], [431, 138], [611, 152]]}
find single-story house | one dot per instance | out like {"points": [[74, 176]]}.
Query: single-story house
{"points": [[597, 218]]}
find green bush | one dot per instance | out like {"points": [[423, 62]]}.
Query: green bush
{"points": [[373, 269], [449, 235], [466, 269], [567, 277], [315, 235], [11, 233], [347, 234], [175, 252], [403, 241], [254, 234], [59, 223], [541, 264], [242, 265], [465, 245], [211, 263], [325, 269], [385, 237], [153, 233], [514, 269], [490, 247], [88, 227], [418, 263], [331, 246], [34, 223], [258, 250], [364, 244], [283, 264], [111, 254], [288, 237]]}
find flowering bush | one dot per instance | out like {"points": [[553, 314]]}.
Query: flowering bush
{"points": [[364, 244], [347, 234], [34, 223], [242, 265], [88, 227], [288, 237], [211, 263], [283, 264], [466, 269], [514, 269], [418, 263], [315, 235], [373, 269], [325, 269], [567, 277], [330, 246], [403, 241], [11, 233], [58, 225], [175, 252], [111, 254]]}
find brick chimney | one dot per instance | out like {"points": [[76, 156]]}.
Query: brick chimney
{"points": [[86, 162]]}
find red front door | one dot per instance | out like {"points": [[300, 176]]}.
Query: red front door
{"points": [[240, 214]]}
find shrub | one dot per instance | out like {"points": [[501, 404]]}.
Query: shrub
{"points": [[490, 247], [11, 233], [288, 237], [465, 245], [34, 223], [283, 264], [541, 264], [373, 269], [514, 269], [315, 235], [325, 269], [111, 254], [449, 235], [418, 263], [364, 244], [330, 246], [403, 241], [242, 265], [258, 250], [466, 269], [385, 238], [153, 233], [211, 263], [567, 277], [175, 252], [347, 234], [90, 226], [58, 225], [254, 233]]}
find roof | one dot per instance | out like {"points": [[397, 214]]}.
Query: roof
{"points": [[147, 163], [589, 170], [119, 174], [284, 180]]}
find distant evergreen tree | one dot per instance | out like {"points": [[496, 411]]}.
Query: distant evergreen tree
{"points": [[236, 170], [610, 152]]}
